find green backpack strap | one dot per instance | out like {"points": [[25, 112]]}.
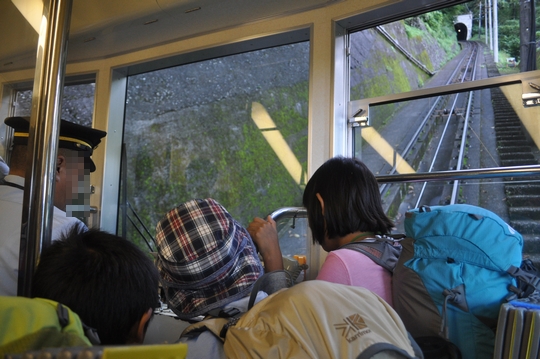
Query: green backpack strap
{"points": [[33, 324], [63, 313]]}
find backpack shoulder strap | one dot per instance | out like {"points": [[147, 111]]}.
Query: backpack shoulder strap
{"points": [[223, 319], [34, 323], [217, 326], [383, 250], [270, 283], [528, 280]]}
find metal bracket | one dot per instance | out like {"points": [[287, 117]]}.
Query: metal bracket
{"points": [[360, 117], [531, 98]]}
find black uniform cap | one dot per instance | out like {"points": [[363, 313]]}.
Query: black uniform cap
{"points": [[72, 136]]}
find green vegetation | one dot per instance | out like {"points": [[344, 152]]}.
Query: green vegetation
{"points": [[392, 80], [502, 65], [228, 160], [508, 28], [438, 25], [424, 58], [412, 31], [509, 40]]}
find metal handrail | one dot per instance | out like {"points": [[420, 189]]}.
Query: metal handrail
{"points": [[288, 212], [361, 107], [37, 209], [498, 172]]}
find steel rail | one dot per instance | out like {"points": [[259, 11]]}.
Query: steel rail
{"points": [[473, 54], [495, 172], [416, 135], [455, 189]]}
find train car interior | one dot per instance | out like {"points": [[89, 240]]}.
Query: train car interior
{"points": [[242, 102]]}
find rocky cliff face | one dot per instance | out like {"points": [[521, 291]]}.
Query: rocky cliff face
{"points": [[190, 132]]}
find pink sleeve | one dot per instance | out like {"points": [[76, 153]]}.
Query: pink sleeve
{"points": [[334, 270], [346, 266]]}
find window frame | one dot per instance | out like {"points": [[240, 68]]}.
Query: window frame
{"points": [[386, 14], [112, 169]]}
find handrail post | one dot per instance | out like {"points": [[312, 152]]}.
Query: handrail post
{"points": [[37, 211]]}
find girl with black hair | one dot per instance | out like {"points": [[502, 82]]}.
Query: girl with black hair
{"points": [[343, 206]]}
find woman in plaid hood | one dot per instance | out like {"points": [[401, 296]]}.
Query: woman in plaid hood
{"points": [[208, 262], [206, 259]]}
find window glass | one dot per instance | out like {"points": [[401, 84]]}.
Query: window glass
{"points": [[77, 103], [409, 54], [480, 129], [231, 128]]}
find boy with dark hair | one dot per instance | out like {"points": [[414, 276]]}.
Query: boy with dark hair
{"points": [[108, 281]]}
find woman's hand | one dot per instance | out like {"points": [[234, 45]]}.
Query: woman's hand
{"points": [[265, 236]]}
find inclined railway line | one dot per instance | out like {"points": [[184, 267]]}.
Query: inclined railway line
{"points": [[449, 138], [440, 142]]}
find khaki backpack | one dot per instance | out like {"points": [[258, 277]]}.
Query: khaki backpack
{"points": [[317, 319]]}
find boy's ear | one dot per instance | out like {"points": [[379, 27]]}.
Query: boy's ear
{"points": [[138, 330]]}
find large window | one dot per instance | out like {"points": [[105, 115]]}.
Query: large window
{"points": [[231, 128], [425, 98]]}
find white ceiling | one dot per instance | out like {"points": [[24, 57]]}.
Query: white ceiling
{"points": [[103, 28]]}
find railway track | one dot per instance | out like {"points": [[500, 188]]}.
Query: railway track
{"points": [[439, 144]]}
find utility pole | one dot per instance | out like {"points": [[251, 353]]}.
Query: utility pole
{"points": [[490, 11], [486, 10], [480, 21], [527, 30], [495, 32]]}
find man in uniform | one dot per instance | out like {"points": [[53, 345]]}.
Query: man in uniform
{"points": [[73, 166]]}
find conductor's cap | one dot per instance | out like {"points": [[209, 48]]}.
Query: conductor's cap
{"points": [[72, 136]]}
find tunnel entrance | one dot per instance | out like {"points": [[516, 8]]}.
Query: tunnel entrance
{"points": [[461, 31]]}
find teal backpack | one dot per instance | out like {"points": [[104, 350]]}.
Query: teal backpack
{"points": [[458, 265], [32, 324]]}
